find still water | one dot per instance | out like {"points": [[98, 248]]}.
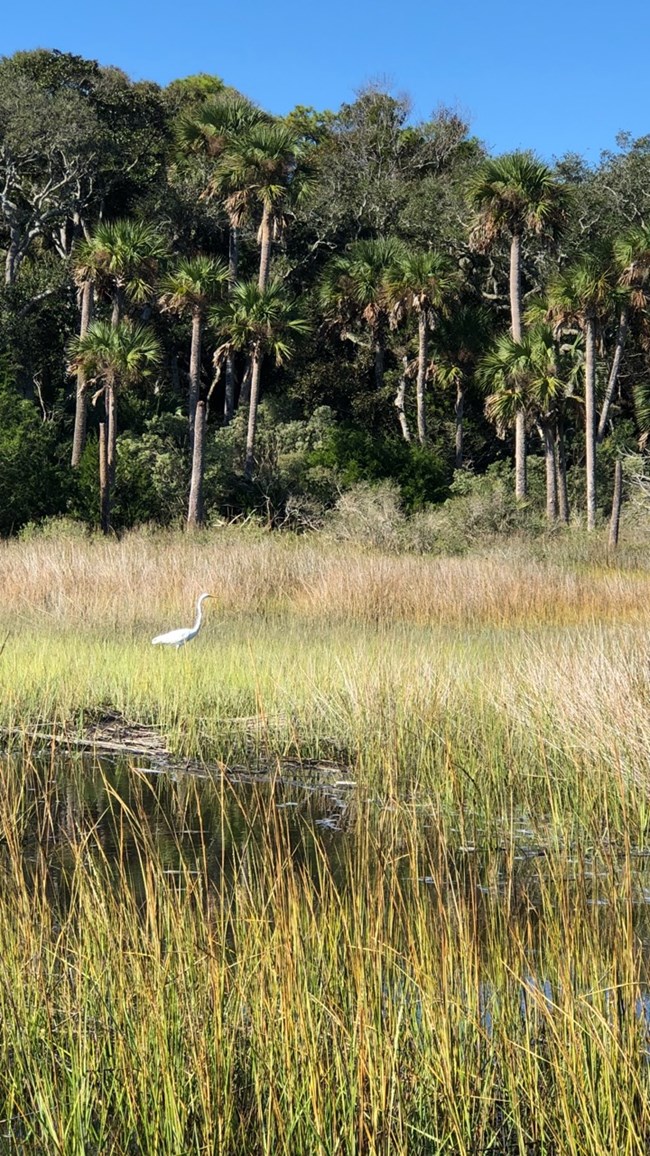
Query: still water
{"points": [[194, 820]]}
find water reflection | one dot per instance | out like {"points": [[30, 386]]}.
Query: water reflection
{"points": [[210, 824]]}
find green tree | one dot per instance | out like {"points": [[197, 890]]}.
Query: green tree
{"points": [[513, 195], [113, 357], [355, 289], [581, 295], [631, 251], [122, 260], [524, 377], [209, 131], [32, 482], [190, 289], [460, 339], [75, 139], [423, 284], [263, 322], [258, 169]]}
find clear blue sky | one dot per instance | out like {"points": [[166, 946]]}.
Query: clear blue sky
{"points": [[555, 76]]}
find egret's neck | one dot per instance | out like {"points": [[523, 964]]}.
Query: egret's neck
{"points": [[199, 613]]}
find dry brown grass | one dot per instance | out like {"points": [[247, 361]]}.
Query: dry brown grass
{"points": [[78, 581]]}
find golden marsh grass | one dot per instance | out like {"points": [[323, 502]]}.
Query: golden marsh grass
{"points": [[460, 966]]}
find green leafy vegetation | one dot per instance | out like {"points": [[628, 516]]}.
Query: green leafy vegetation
{"points": [[353, 262]]}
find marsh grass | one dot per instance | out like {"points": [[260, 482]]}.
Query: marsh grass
{"points": [[395, 991], [312, 652], [460, 967]]}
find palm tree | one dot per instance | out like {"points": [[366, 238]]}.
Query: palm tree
{"points": [[120, 259], [460, 339], [123, 259], [524, 378], [86, 294], [421, 283], [580, 295], [261, 322], [255, 166], [355, 287], [191, 288], [211, 130], [514, 195], [632, 260], [113, 357], [258, 170]]}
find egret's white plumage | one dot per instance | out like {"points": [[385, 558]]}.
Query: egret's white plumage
{"points": [[179, 637]]}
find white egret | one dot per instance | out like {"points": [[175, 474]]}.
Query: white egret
{"points": [[179, 637]]}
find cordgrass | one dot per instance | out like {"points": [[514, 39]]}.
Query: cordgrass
{"points": [[461, 966]]}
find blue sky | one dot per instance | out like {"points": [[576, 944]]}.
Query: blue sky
{"points": [[556, 76]]}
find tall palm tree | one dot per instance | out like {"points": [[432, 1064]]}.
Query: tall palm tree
{"points": [[113, 357], [211, 130], [258, 171], [263, 322], [191, 288], [513, 195], [632, 262], [355, 287], [255, 168], [421, 283], [581, 295], [86, 294], [524, 378], [460, 339], [121, 259]]}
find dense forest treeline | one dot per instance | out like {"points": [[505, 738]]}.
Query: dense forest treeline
{"points": [[208, 311]]}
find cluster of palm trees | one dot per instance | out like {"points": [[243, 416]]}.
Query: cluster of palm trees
{"points": [[254, 170], [254, 165], [533, 371]]}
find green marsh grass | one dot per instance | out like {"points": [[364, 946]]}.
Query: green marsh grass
{"points": [[460, 966], [388, 989]]}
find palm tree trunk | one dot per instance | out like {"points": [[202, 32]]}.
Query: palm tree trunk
{"points": [[521, 478], [256, 364], [265, 248], [458, 417], [233, 255], [245, 391], [590, 418], [515, 286], [111, 446], [233, 268], [380, 358], [617, 502], [521, 481], [423, 343], [560, 460], [195, 370], [399, 403], [195, 506], [118, 304], [104, 482], [81, 412], [613, 373], [548, 440]]}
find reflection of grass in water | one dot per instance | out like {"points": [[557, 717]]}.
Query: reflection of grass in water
{"points": [[416, 996]]}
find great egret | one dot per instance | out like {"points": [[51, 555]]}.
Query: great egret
{"points": [[179, 637]]}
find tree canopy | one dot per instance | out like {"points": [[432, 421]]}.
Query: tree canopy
{"points": [[386, 274]]}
